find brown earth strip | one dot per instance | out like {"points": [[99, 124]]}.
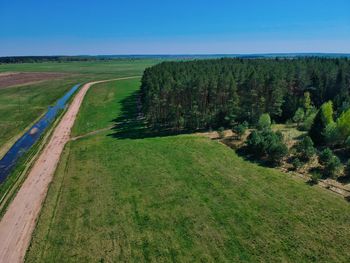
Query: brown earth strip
{"points": [[18, 223], [10, 79]]}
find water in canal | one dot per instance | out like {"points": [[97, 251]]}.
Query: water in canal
{"points": [[10, 159]]}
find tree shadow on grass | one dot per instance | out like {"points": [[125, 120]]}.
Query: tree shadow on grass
{"points": [[130, 124]]}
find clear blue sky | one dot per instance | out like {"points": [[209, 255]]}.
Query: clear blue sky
{"points": [[72, 27]]}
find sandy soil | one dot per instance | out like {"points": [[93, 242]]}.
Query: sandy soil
{"points": [[19, 221], [9, 79]]}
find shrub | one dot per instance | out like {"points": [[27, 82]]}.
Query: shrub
{"points": [[240, 129], [299, 116], [332, 168], [347, 169], [305, 149], [255, 144], [331, 133], [308, 121], [330, 162], [325, 156], [314, 178], [276, 152], [267, 144], [296, 164], [264, 122], [221, 132], [343, 125], [324, 117]]}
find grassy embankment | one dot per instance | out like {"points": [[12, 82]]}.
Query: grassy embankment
{"points": [[124, 195]]}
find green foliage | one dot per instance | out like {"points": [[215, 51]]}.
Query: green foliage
{"points": [[221, 132], [347, 169], [307, 103], [267, 144], [264, 122], [315, 177], [308, 121], [305, 149], [343, 125], [299, 116], [240, 129], [332, 168], [324, 117], [297, 164], [214, 93], [276, 152], [325, 156], [177, 199], [331, 133], [330, 162]]}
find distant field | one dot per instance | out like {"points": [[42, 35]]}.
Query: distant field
{"points": [[20, 106], [119, 67], [177, 199]]}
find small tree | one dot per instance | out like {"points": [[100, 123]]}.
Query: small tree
{"points": [[267, 144], [255, 144], [299, 116], [324, 117], [307, 102], [221, 132], [332, 168], [325, 156], [347, 169], [276, 152], [330, 162], [308, 121], [296, 163], [305, 149], [264, 122], [343, 125], [240, 129]]}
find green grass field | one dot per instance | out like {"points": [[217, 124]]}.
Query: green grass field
{"points": [[123, 195], [21, 106]]}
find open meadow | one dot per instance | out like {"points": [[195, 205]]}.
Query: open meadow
{"points": [[22, 104], [123, 194]]}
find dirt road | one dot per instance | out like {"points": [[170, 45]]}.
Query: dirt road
{"points": [[18, 223]]}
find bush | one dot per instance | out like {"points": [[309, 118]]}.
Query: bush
{"points": [[276, 152], [347, 169], [314, 178], [240, 129], [325, 156], [305, 149], [264, 122], [308, 121], [267, 144], [297, 164], [324, 117], [331, 133], [332, 168], [330, 162], [299, 116], [221, 132]]}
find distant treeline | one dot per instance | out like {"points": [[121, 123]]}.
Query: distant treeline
{"points": [[214, 93], [36, 59]]}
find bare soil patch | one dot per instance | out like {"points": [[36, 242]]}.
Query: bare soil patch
{"points": [[10, 79]]}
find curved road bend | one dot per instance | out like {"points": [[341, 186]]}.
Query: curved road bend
{"points": [[18, 223]]}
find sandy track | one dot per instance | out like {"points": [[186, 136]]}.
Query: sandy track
{"points": [[18, 223]]}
